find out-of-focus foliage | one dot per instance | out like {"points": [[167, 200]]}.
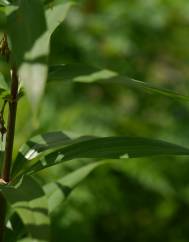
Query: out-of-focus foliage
{"points": [[141, 200]]}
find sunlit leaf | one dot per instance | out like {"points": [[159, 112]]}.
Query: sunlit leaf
{"points": [[29, 202], [31, 55], [58, 191], [56, 14], [36, 145], [4, 2], [26, 25], [87, 74], [102, 148]]}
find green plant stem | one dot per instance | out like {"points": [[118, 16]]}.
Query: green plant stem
{"points": [[10, 126], [2, 216]]}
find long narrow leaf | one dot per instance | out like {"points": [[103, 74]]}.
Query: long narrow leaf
{"points": [[31, 22], [89, 74], [58, 191], [29, 202], [103, 148], [36, 145]]}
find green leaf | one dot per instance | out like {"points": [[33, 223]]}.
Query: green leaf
{"points": [[58, 191], [30, 22], [40, 51], [148, 174], [4, 3], [17, 225], [35, 146], [56, 14], [9, 236], [30, 240], [70, 71], [4, 88], [102, 148], [2, 19], [29, 202], [26, 27], [3, 84], [87, 74]]}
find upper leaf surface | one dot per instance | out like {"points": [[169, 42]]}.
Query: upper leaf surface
{"points": [[29, 202], [58, 191], [100, 148], [38, 144], [30, 29], [26, 25], [88, 74]]}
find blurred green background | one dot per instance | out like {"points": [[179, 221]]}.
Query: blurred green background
{"points": [[128, 200]]}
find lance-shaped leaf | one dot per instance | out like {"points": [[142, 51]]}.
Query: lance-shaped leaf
{"points": [[103, 148], [35, 146], [56, 14], [29, 202], [26, 26], [58, 191], [30, 30], [88, 74]]}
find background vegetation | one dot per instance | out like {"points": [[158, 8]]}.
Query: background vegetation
{"points": [[141, 199]]}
